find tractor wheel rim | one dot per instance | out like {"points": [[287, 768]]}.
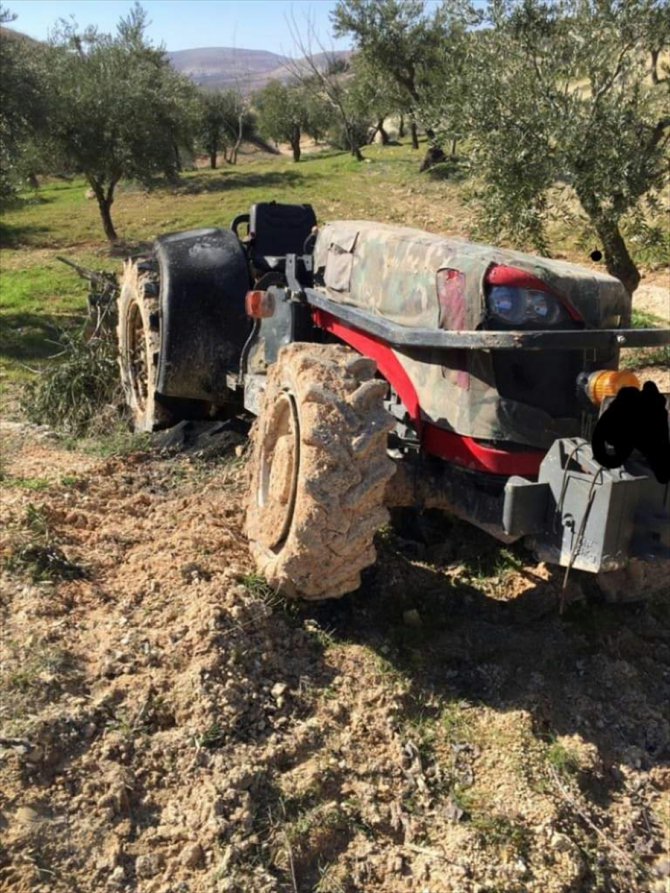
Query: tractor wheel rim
{"points": [[279, 465], [137, 357]]}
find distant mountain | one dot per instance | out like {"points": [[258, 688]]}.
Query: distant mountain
{"points": [[16, 35], [220, 68]]}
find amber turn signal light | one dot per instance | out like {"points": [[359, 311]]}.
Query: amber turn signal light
{"points": [[608, 383], [259, 304]]}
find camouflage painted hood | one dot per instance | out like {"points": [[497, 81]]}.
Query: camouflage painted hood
{"points": [[523, 398], [391, 271]]}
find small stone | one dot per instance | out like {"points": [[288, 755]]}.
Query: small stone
{"points": [[278, 689], [561, 843], [192, 856], [147, 866], [26, 815], [118, 877], [411, 618], [662, 868], [395, 863]]}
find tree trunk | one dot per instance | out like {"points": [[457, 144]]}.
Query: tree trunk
{"points": [[414, 133], [105, 206], [353, 143], [212, 160], [238, 141], [401, 127], [177, 158], [105, 200], [295, 142], [382, 132], [618, 261], [654, 66], [454, 143]]}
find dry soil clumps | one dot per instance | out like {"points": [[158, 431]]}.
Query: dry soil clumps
{"points": [[170, 726]]}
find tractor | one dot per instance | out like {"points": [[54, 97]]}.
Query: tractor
{"points": [[386, 367]]}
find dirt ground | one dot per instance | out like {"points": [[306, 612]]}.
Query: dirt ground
{"points": [[169, 726], [653, 295]]}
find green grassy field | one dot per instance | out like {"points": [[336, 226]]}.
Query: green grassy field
{"points": [[39, 295]]}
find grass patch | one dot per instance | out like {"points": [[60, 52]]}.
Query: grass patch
{"points": [[454, 720], [643, 320], [640, 357], [38, 556], [562, 759], [34, 484], [44, 562], [491, 570], [38, 668], [119, 442], [213, 736], [502, 832], [258, 586]]}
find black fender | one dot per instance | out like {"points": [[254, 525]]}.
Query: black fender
{"points": [[204, 277]]}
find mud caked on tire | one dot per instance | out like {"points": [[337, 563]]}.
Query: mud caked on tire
{"points": [[319, 470], [139, 346]]}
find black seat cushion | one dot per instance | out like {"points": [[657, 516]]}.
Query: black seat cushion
{"points": [[277, 230]]}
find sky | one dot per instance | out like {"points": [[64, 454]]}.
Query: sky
{"points": [[189, 24]]}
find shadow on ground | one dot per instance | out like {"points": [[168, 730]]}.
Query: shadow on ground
{"points": [[27, 337], [234, 180], [600, 671], [17, 236]]}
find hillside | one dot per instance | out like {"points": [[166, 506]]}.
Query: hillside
{"points": [[220, 68]]}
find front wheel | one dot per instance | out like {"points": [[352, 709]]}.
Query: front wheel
{"points": [[139, 346], [319, 471]]}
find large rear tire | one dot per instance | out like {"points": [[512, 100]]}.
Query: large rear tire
{"points": [[139, 346], [319, 470]]}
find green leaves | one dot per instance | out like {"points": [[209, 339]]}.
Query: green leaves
{"points": [[116, 107], [562, 93]]}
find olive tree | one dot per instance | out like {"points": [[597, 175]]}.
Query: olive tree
{"points": [[212, 124], [562, 92], [116, 108], [400, 40], [23, 109], [283, 114], [224, 120]]}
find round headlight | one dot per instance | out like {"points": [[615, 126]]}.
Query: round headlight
{"points": [[507, 303], [525, 306]]}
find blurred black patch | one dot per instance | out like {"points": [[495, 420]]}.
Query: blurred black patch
{"points": [[636, 420], [209, 439], [596, 255]]}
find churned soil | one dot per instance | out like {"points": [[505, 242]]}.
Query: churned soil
{"points": [[168, 725]]}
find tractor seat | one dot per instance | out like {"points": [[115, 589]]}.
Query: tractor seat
{"points": [[277, 230]]}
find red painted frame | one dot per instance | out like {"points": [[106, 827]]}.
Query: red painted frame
{"points": [[447, 445]]}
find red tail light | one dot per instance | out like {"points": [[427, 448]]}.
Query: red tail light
{"points": [[451, 295]]}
